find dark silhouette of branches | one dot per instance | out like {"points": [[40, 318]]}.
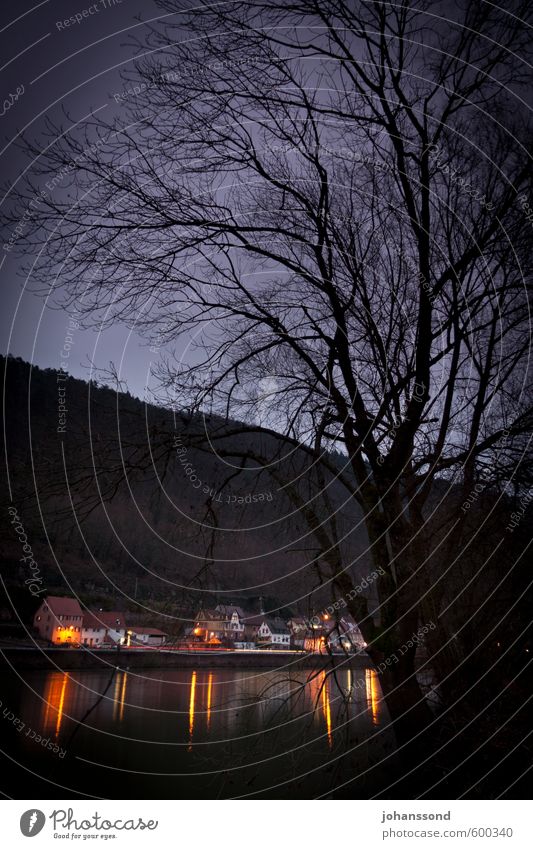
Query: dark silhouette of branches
{"points": [[327, 193]]}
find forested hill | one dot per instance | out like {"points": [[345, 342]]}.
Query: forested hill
{"points": [[117, 501]]}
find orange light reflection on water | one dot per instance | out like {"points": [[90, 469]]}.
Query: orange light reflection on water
{"points": [[326, 707], [191, 708], [372, 690], [116, 697], [122, 696], [209, 689], [54, 700]]}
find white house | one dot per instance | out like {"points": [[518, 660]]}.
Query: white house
{"points": [[93, 631], [233, 620], [103, 626], [147, 636], [274, 632]]}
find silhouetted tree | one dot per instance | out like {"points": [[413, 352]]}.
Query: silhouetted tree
{"points": [[330, 198]]}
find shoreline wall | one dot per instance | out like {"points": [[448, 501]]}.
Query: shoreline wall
{"points": [[64, 659]]}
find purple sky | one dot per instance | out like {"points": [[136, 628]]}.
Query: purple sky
{"points": [[73, 66]]}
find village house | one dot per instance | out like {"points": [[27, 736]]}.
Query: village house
{"points": [[274, 632], [59, 620], [248, 638], [94, 631], [146, 636], [210, 626], [316, 639], [299, 627], [233, 620], [103, 627], [241, 629], [228, 623], [348, 635], [325, 634]]}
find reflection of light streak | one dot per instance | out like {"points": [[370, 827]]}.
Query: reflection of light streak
{"points": [[47, 711], [122, 695], [61, 703], [327, 709], [372, 693], [209, 688], [116, 697], [54, 689], [350, 694], [191, 706]]}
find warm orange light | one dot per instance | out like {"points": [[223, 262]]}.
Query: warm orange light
{"points": [[209, 688], [61, 703], [327, 710], [191, 707], [54, 700], [116, 697], [122, 696], [372, 693], [197, 631]]}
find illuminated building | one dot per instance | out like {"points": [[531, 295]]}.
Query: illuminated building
{"points": [[59, 620]]}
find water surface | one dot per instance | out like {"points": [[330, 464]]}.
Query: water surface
{"points": [[219, 733]]}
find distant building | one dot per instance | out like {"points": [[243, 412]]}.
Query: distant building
{"points": [[252, 623], [147, 636], [210, 626], [316, 639], [346, 634], [94, 631], [233, 618], [274, 632], [298, 625], [299, 628], [321, 633], [103, 626], [59, 620]]}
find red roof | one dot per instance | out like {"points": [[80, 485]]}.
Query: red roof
{"points": [[155, 632], [107, 619], [255, 619], [90, 620], [63, 606]]}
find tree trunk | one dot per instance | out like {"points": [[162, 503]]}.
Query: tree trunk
{"points": [[411, 720]]}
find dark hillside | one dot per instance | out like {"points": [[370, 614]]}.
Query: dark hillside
{"points": [[118, 502]]}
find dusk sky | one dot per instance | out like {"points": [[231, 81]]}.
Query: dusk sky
{"points": [[75, 68], [296, 564]]}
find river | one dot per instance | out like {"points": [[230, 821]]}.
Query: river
{"points": [[219, 733]]}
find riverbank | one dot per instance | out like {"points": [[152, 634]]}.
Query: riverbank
{"points": [[66, 659]]}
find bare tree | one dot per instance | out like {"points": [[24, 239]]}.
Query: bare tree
{"points": [[329, 194]]}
